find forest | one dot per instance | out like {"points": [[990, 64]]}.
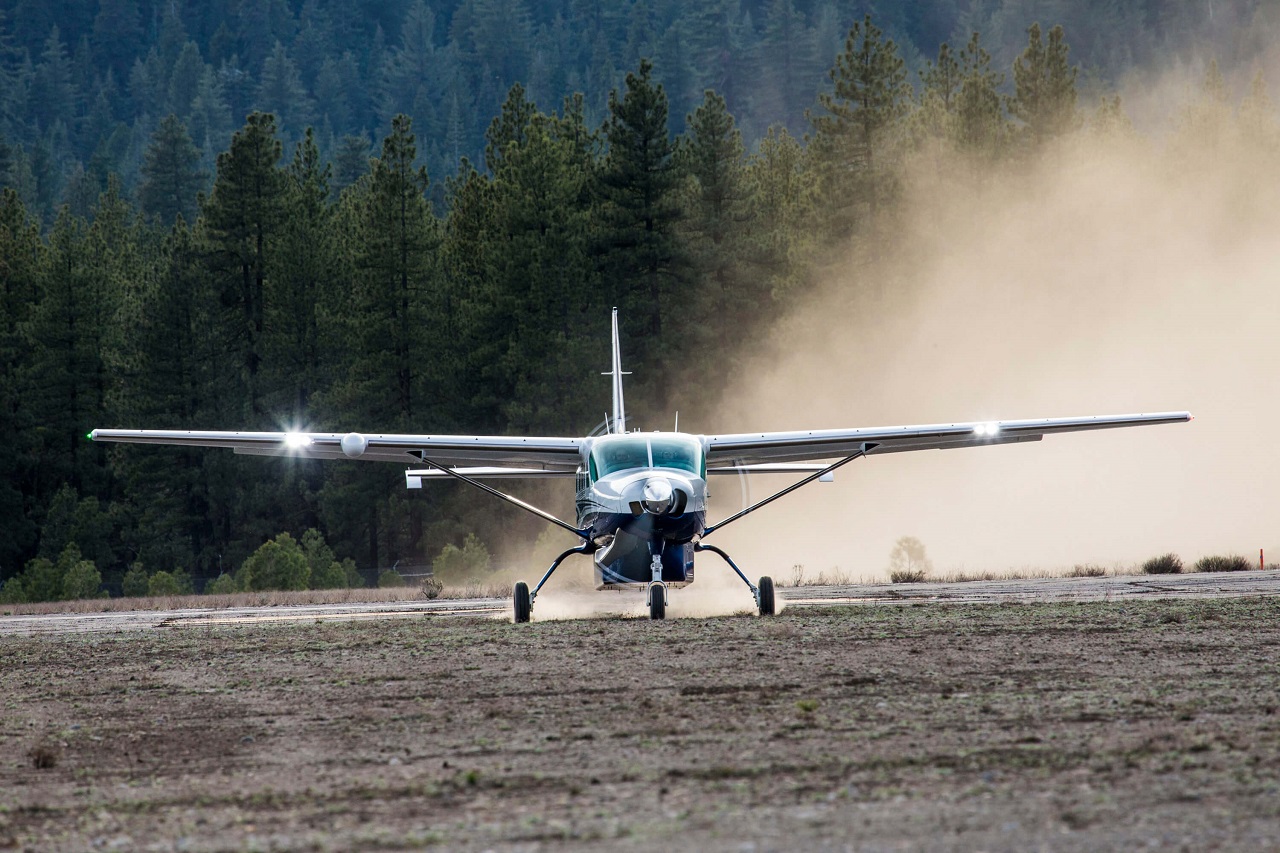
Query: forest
{"points": [[414, 217]]}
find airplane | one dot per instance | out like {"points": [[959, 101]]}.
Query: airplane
{"points": [[641, 496]]}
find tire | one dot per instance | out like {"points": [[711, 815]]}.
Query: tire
{"points": [[520, 602], [657, 603], [766, 596]]}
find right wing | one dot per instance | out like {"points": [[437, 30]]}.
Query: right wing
{"points": [[811, 445], [547, 453]]}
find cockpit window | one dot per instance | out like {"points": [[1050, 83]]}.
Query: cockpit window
{"points": [[620, 454], [674, 453], [611, 457]]}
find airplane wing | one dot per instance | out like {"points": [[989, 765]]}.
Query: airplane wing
{"points": [[770, 447], [551, 454]]}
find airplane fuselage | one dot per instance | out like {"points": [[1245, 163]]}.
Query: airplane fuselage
{"points": [[643, 497]]}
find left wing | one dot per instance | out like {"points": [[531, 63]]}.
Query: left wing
{"points": [[763, 447], [548, 453]]}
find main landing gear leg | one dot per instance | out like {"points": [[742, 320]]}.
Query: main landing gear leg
{"points": [[763, 593], [656, 592], [522, 598]]}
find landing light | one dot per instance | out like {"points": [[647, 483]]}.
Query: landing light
{"points": [[296, 440], [986, 429]]}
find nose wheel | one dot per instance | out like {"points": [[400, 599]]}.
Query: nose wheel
{"points": [[657, 593]]}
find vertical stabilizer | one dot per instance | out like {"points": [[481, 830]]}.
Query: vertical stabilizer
{"points": [[619, 410]]}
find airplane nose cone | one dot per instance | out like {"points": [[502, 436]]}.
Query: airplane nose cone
{"points": [[657, 496]]}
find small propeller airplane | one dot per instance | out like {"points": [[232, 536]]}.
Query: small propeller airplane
{"points": [[641, 496]]}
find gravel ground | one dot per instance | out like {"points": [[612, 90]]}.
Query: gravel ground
{"points": [[921, 726]]}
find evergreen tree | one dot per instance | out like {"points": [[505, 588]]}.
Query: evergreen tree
{"points": [[185, 80], [53, 95], [980, 126], [1045, 97], [719, 212], [171, 175], [640, 253], [243, 217], [21, 281], [350, 162], [784, 203], [281, 92], [857, 127]]}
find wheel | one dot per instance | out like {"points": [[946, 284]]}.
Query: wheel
{"points": [[766, 596], [521, 602], [657, 602]]}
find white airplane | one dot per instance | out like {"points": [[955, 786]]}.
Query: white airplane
{"points": [[641, 496]]}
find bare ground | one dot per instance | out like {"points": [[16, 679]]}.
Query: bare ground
{"points": [[999, 727]]}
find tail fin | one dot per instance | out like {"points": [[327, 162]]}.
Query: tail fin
{"points": [[619, 410]]}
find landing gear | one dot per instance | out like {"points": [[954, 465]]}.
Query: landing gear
{"points": [[657, 592], [763, 593], [522, 598], [521, 603], [764, 596]]}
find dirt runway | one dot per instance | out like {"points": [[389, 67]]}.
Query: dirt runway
{"points": [[1059, 726]]}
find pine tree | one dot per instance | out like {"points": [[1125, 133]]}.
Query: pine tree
{"points": [[785, 205], [350, 162], [171, 175], [719, 216], [243, 217], [1045, 97], [857, 126], [980, 127], [21, 281], [641, 255], [281, 93], [53, 94], [184, 81]]}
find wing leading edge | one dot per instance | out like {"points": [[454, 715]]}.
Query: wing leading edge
{"points": [[766, 447], [546, 453]]}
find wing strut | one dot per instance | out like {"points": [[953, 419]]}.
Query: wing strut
{"points": [[866, 448], [527, 507]]}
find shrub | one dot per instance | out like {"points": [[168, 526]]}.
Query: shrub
{"points": [[332, 576], [135, 580], [278, 564], [82, 580], [1087, 570], [12, 591], [223, 584], [461, 565], [1227, 563], [42, 580], [1165, 564], [431, 588], [908, 561], [389, 578], [326, 571], [163, 583]]}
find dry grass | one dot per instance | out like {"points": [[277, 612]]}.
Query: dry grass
{"points": [[797, 576], [272, 598], [1224, 563]]}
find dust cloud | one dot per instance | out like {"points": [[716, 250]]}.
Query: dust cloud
{"points": [[1119, 274]]}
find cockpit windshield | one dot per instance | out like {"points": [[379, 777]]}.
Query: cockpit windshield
{"points": [[636, 451], [619, 455], [676, 453]]}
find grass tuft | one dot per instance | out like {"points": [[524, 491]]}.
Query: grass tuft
{"points": [[1224, 563], [45, 756], [906, 576], [1087, 570], [1165, 564]]}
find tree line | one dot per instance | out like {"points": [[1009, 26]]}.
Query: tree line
{"points": [[282, 298], [84, 84]]}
